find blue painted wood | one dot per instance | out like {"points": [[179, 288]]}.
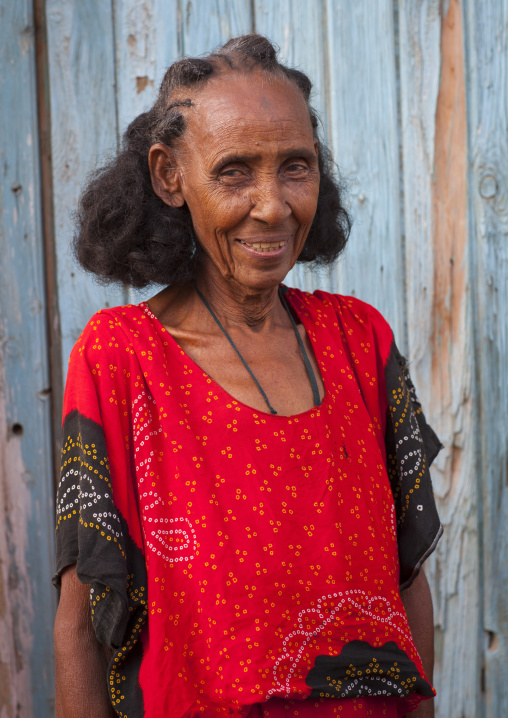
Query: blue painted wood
{"points": [[378, 68], [420, 59], [299, 30], [27, 600], [84, 129], [209, 23], [487, 53], [365, 140], [440, 312], [146, 43]]}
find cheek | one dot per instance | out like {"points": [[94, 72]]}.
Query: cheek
{"points": [[305, 203], [221, 211], [216, 212]]}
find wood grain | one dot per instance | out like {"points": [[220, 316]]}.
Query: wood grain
{"points": [[209, 23], [365, 139], [27, 600], [440, 325], [487, 49], [414, 99], [84, 130], [146, 43], [47, 206]]}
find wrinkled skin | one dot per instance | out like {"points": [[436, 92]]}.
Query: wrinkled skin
{"points": [[247, 168]]}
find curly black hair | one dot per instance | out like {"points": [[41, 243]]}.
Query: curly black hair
{"points": [[126, 233]]}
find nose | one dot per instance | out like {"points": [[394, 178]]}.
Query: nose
{"points": [[269, 203]]}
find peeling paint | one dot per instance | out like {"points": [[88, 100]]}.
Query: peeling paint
{"points": [[449, 193], [426, 217], [26, 39], [142, 83], [16, 610], [6, 703], [440, 325]]}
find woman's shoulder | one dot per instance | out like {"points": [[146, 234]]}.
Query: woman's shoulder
{"points": [[106, 358], [112, 329], [129, 319], [353, 312]]}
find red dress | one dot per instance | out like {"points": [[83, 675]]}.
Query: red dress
{"points": [[242, 563]]}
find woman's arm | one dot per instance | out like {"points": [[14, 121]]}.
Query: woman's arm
{"points": [[417, 602], [80, 660]]}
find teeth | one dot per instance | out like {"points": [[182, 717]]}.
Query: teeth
{"points": [[265, 246]]}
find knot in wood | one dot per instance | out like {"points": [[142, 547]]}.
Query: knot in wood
{"points": [[488, 187]]}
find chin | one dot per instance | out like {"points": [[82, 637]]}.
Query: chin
{"points": [[255, 280]]}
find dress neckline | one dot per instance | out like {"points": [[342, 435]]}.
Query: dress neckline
{"points": [[314, 410]]}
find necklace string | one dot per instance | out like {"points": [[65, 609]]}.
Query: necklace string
{"points": [[308, 365], [306, 360]]}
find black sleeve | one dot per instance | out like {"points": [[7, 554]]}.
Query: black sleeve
{"points": [[411, 447], [92, 534]]}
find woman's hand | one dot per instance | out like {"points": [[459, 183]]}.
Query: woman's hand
{"points": [[80, 660], [417, 602]]}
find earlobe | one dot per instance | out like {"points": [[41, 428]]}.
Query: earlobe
{"points": [[165, 175]]}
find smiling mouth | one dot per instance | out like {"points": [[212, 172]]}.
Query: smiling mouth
{"points": [[265, 246]]}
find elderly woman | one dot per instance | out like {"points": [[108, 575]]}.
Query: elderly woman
{"points": [[245, 501]]}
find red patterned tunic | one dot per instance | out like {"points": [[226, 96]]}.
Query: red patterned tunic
{"points": [[241, 563]]}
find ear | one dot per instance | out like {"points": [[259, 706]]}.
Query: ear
{"points": [[165, 175]]}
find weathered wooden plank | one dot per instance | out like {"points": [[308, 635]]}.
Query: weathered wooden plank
{"points": [[433, 109], [146, 43], [286, 23], [365, 139], [487, 46], [46, 183], [209, 23], [26, 485], [299, 30], [84, 128]]}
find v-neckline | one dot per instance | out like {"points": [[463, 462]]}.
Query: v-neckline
{"points": [[229, 397]]}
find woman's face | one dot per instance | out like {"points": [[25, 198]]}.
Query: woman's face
{"points": [[247, 167]]}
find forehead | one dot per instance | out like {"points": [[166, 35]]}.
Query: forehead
{"points": [[247, 107]]}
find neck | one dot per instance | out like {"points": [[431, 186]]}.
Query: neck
{"points": [[234, 304]]}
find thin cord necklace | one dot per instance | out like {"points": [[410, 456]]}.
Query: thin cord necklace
{"points": [[308, 365]]}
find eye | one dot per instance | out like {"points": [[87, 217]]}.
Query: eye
{"points": [[296, 168], [230, 173], [233, 174]]}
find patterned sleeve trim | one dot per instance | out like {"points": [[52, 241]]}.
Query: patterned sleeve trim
{"points": [[92, 534], [411, 447]]}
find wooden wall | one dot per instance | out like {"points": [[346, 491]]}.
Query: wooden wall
{"points": [[27, 601], [414, 101]]}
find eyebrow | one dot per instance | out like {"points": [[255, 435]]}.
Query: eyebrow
{"points": [[235, 157]]}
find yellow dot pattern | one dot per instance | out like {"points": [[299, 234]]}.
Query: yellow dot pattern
{"points": [[268, 540]]}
